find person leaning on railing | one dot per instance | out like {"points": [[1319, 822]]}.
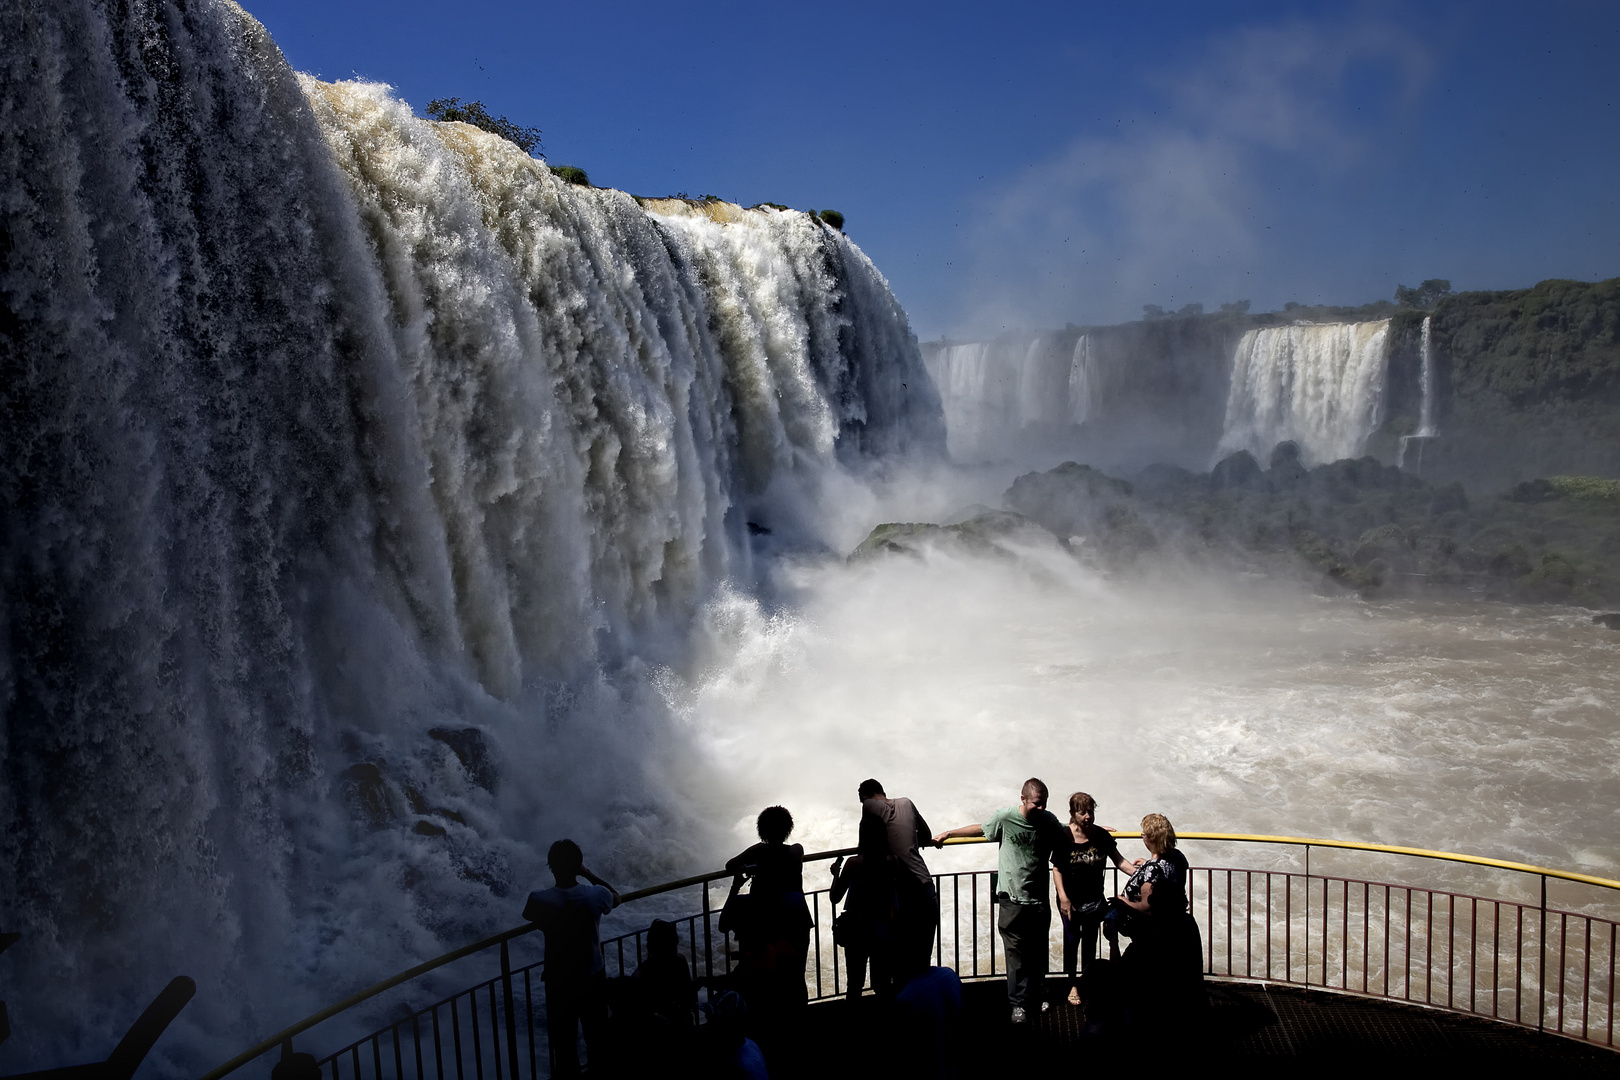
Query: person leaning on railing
{"points": [[570, 916], [1028, 836], [772, 921]]}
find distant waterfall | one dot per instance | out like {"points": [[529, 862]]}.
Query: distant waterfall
{"points": [[993, 392], [1426, 419], [356, 474], [1319, 385], [1084, 388]]}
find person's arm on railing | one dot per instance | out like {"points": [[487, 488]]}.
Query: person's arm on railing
{"points": [[962, 830]]}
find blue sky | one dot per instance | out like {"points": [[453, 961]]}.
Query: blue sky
{"points": [[1034, 164]]}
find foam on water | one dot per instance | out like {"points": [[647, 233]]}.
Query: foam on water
{"points": [[1234, 706]]}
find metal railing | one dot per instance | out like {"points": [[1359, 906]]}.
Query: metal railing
{"points": [[1517, 961]]}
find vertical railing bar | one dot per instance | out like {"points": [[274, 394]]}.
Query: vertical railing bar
{"points": [[1366, 932], [708, 943], [1248, 922], [1306, 945], [1586, 981], [1563, 933], [815, 928], [1344, 934], [956, 919], [495, 1031], [1451, 948], [974, 883], [1407, 948], [511, 1013], [1231, 897], [416, 1039], [455, 1034], [1388, 911], [1518, 963], [939, 923], [528, 1015], [1611, 983], [1268, 924], [399, 1055], [1496, 958], [1326, 884], [477, 1041], [1474, 946], [1541, 946], [1428, 949], [1288, 926], [1209, 917]]}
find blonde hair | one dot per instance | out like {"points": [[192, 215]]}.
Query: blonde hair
{"points": [[1158, 834]]}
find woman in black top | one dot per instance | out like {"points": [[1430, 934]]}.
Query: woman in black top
{"points": [[1077, 875], [1164, 967], [775, 931]]}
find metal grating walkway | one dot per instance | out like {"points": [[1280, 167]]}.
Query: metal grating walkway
{"points": [[1248, 1023]]}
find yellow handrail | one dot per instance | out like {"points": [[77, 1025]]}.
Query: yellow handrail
{"points": [[702, 879]]}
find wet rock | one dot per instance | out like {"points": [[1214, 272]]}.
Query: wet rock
{"points": [[367, 795], [472, 750], [1610, 619], [1287, 469], [1238, 470], [986, 534], [427, 828]]}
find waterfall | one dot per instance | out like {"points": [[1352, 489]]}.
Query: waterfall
{"points": [[1425, 432], [995, 394], [1320, 385], [356, 474], [1083, 382], [1426, 421]]}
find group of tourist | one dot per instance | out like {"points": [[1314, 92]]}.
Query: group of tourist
{"points": [[888, 925]]}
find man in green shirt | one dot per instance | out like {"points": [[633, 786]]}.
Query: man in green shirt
{"points": [[1027, 835]]}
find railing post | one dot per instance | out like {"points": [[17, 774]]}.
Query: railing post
{"points": [[511, 1010], [1541, 947], [708, 945], [1308, 918]]}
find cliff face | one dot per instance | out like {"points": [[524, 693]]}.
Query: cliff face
{"points": [[1122, 396], [1527, 384], [1496, 387]]}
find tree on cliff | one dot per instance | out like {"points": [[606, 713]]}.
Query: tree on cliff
{"points": [[474, 113], [1425, 296]]}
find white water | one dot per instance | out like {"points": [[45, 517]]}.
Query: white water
{"points": [[1426, 421], [332, 435], [1319, 385], [1227, 704], [993, 393]]}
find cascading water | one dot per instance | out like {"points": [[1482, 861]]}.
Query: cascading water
{"points": [[1409, 460], [1319, 385], [353, 469], [995, 393], [1083, 381]]}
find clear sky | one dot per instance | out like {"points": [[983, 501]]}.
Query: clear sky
{"points": [[1032, 164]]}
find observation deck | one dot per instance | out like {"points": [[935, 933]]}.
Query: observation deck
{"points": [[1324, 952]]}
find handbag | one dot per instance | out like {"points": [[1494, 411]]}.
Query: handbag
{"points": [[1121, 919]]}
